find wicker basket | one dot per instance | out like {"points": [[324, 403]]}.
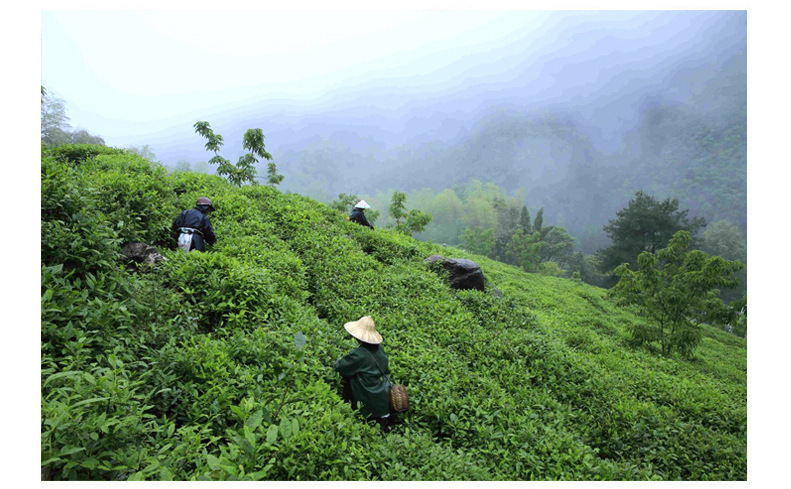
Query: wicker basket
{"points": [[399, 400]]}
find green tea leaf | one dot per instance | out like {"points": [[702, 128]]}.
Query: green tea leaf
{"points": [[214, 462], [62, 374], [285, 427], [89, 401], [271, 434], [254, 421]]}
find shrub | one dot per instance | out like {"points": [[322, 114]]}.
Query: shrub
{"points": [[77, 153], [671, 288]]}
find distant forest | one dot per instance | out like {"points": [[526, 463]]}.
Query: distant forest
{"points": [[548, 163]]}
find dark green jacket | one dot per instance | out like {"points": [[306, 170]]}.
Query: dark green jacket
{"points": [[367, 381]]}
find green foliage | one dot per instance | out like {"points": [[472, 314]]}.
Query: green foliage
{"points": [[524, 250], [671, 288], [730, 317], [724, 239], [183, 165], [81, 136], [558, 244], [273, 177], [345, 202], [244, 171], [539, 222], [55, 126], [500, 228], [74, 153], [551, 269], [219, 291], [410, 222], [144, 152], [587, 267], [736, 320], [524, 220], [74, 234], [480, 242], [645, 224], [218, 365]]}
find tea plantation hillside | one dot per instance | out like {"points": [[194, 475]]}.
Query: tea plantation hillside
{"points": [[218, 365]]}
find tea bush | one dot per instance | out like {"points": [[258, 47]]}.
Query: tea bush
{"points": [[219, 365], [132, 193], [77, 153]]}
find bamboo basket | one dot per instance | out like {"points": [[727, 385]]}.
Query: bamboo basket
{"points": [[399, 400]]}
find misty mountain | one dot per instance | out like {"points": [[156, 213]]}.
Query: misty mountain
{"points": [[580, 113]]}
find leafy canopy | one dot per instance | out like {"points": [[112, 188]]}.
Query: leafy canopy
{"points": [[645, 224], [723, 238], [244, 171], [672, 288], [410, 222]]}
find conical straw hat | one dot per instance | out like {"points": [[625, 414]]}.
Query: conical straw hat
{"points": [[364, 330], [362, 205]]}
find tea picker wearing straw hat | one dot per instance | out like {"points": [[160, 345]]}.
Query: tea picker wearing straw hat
{"points": [[366, 372], [358, 214]]}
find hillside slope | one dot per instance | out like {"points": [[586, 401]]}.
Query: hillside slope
{"points": [[195, 369]]}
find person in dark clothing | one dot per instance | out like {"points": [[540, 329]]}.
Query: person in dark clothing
{"points": [[193, 226], [366, 373], [358, 214]]}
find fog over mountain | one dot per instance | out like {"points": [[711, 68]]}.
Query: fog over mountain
{"points": [[577, 108], [598, 67]]}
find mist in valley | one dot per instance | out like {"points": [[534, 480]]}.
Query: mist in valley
{"points": [[572, 112]]}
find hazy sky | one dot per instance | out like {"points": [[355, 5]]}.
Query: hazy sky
{"points": [[124, 72], [152, 66]]}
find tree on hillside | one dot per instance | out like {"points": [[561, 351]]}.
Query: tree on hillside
{"points": [[726, 240], [200, 167], [524, 250], [344, 202], [524, 220], [586, 267], [144, 151], [477, 210], [55, 128], [244, 171], [182, 165], [81, 136], [507, 226], [447, 224], [410, 222], [673, 288], [539, 220], [478, 241], [645, 224], [254, 141], [558, 245]]}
